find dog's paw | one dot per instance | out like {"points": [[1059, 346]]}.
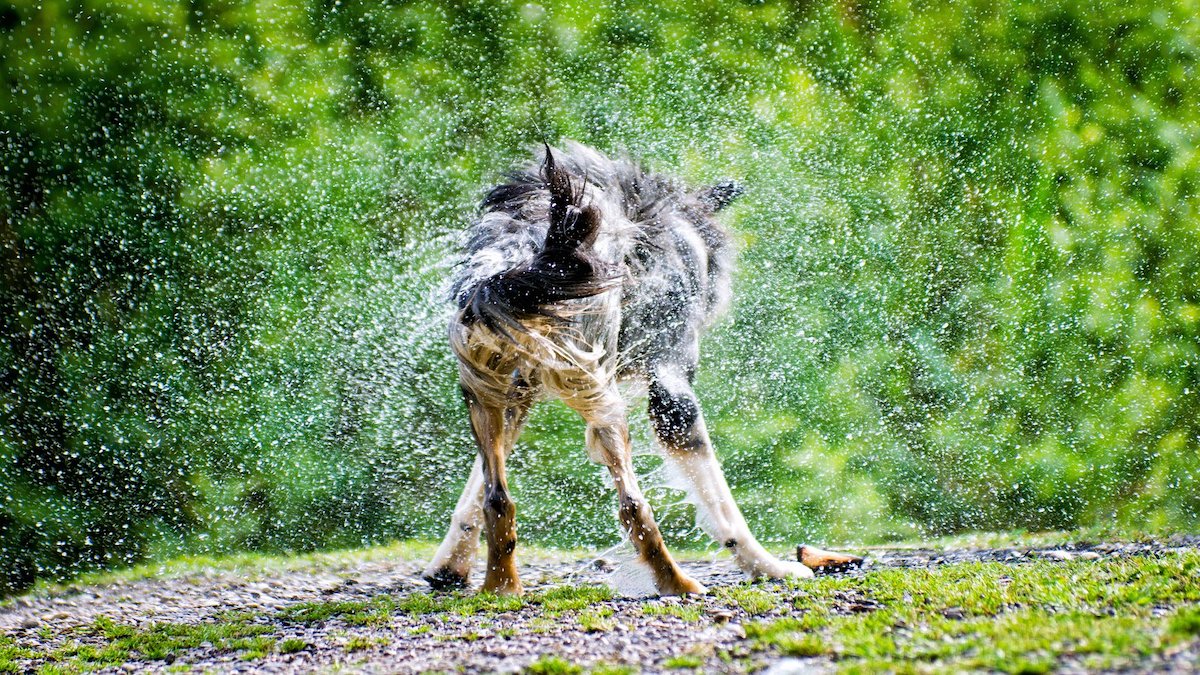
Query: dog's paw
{"points": [[782, 569], [501, 584], [682, 585], [829, 562], [444, 578]]}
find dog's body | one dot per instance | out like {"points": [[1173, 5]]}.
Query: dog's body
{"points": [[582, 271]]}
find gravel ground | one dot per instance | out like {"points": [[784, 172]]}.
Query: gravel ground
{"points": [[448, 642]]}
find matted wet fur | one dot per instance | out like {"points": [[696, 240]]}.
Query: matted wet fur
{"points": [[579, 272]]}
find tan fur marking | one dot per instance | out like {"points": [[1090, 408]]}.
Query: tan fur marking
{"points": [[831, 561], [499, 511]]}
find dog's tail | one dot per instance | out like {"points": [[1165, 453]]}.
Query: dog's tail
{"points": [[565, 268]]}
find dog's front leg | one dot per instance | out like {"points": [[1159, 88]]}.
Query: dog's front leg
{"points": [[679, 425]]}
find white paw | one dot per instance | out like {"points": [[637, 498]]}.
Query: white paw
{"points": [[783, 569]]}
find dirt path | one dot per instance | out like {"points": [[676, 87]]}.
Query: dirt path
{"points": [[648, 635]]}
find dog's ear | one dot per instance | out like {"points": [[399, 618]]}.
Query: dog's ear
{"points": [[721, 195]]}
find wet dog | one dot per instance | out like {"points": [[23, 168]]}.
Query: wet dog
{"points": [[582, 271]]}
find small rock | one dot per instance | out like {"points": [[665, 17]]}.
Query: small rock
{"points": [[955, 613], [1058, 555], [721, 616], [1089, 555], [736, 630], [29, 622]]}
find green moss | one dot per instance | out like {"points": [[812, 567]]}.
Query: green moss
{"points": [[802, 644], [254, 648], [462, 604], [596, 620], [320, 612], [684, 661], [11, 653], [553, 665], [989, 616], [358, 643], [689, 612], [1186, 621], [555, 600], [375, 612], [291, 645], [565, 598], [753, 601], [120, 643]]}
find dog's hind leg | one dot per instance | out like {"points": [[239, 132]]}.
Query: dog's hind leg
{"points": [[679, 425], [451, 565], [488, 422], [608, 444]]}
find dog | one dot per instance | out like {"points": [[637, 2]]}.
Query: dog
{"points": [[580, 272]]}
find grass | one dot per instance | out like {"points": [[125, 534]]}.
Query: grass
{"points": [[358, 643], [553, 665], [1115, 612], [597, 620], [753, 601], [379, 610], [988, 616], [1186, 621], [375, 612], [292, 645], [684, 661], [106, 643], [688, 611]]}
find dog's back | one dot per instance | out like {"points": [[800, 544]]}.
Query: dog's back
{"points": [[635, 264]]}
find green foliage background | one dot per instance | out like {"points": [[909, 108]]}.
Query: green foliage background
{"points": [[968, 296]]}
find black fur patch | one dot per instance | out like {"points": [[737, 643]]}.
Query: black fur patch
{"points": [[499, 502], [445, 579], [674, 416]]}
